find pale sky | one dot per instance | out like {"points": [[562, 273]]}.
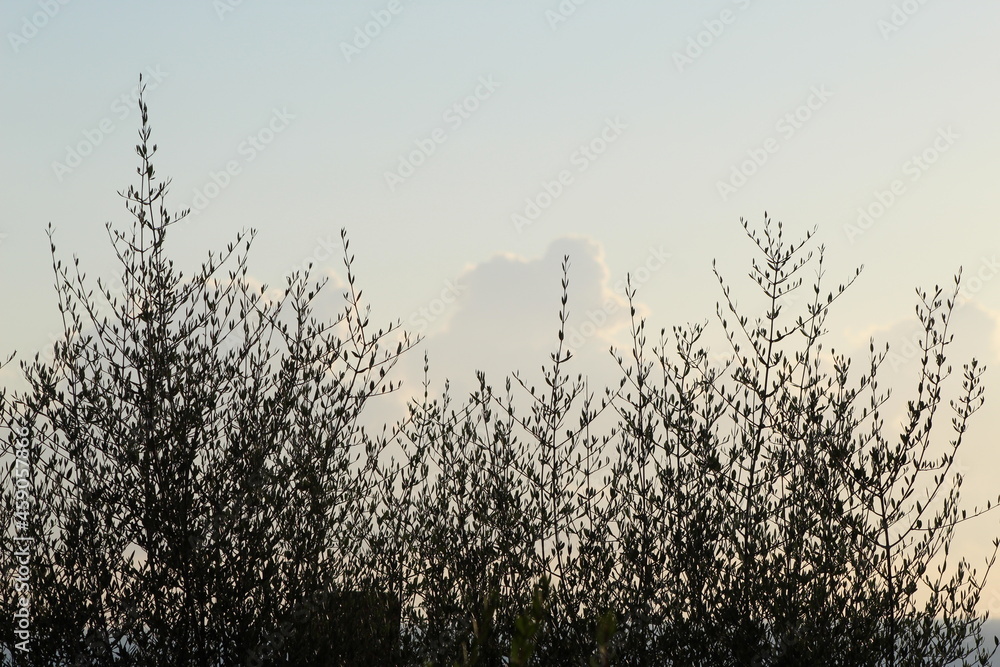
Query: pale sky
{"points": [[641, 131]]}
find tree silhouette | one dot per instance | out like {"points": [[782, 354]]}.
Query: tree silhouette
{"points": [[202, 490]]}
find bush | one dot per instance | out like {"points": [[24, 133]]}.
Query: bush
{"points": [[204, 493]]}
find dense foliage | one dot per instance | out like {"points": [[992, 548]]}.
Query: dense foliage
{"points": [[202, 491]]}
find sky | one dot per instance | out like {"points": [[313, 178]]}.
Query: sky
{"points": [[468, 146]]}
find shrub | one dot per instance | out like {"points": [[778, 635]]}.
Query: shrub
{"points": [[204, 492], [198, 491]]}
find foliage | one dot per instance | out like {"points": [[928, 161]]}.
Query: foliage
{"points": [[204, 491]]}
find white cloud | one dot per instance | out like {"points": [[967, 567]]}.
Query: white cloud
{"points": [[505, 319]]}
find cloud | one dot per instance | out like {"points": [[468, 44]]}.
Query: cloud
{"points": [[975, 328], [507, 292], [505, 319]]}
